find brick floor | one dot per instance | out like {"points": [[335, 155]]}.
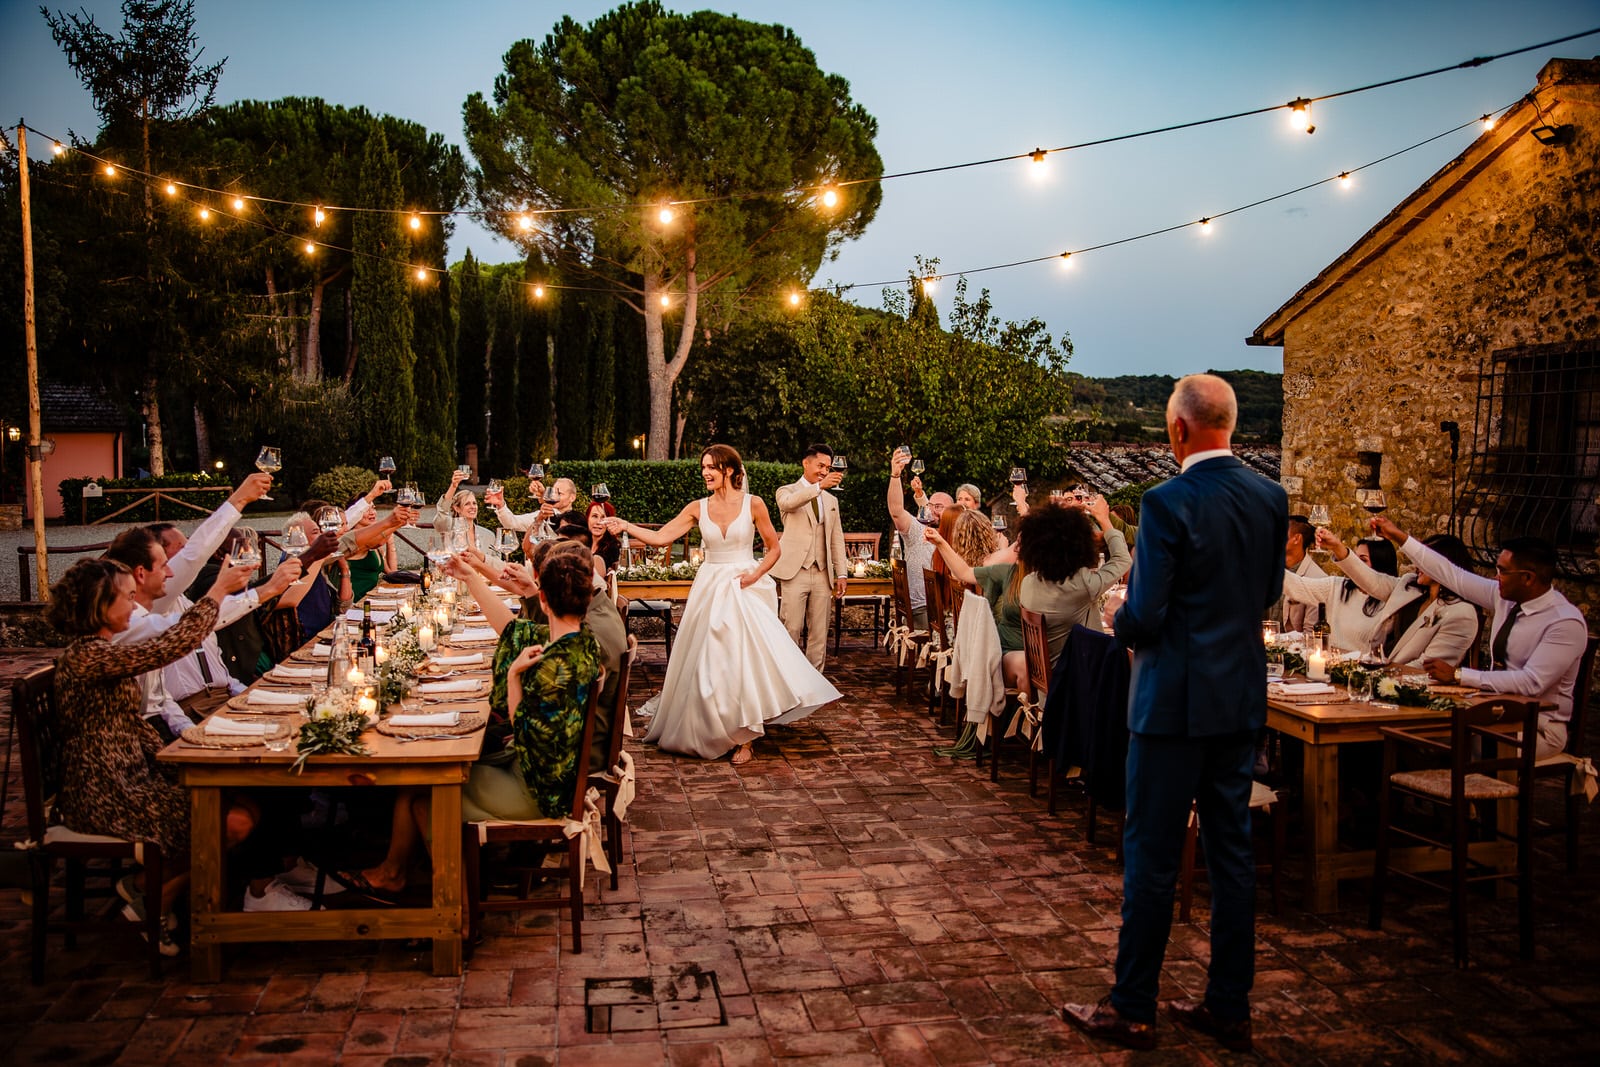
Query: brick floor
{"points": [[858, 900]]}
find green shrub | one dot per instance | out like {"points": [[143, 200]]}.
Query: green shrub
{"points": [[340, 484], [74, 505]]}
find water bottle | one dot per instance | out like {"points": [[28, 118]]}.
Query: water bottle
{"points": [[339, 656]]}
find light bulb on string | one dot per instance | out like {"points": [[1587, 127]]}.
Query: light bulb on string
{"points": [[110, 171], [238, 203], [1344, 180], [311, 249], [538, 292], [317, 216], [666, 301], [205, 214], [415, 222], [830, 198], [172, 190], [524, 223], [1205, 225], [1488, 123], [929, 284], [1066, 260], [58, 149], [665, 215], [422, 274], [1038, 169], [1300, 115], [794, 299]]}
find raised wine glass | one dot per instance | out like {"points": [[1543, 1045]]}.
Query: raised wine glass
{"points": [[506, 541], [386, 468], [840, 464], [247, 549], [330, 520], [917, 467], [295, 542], [440, 547], [551, 494], [600, 493], [269, 461], [1318, 518], [1019, 476], [1373, 500], [536, 472], [999, 522]]}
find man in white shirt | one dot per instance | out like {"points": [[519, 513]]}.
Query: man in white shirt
{"points": [[918, 550], [1537, 636], [566, 496]]}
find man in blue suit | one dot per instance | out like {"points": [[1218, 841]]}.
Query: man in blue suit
{"points": [[1208, 563]]}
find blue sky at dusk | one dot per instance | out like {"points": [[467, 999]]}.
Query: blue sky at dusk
{"points": [[950, 82]]}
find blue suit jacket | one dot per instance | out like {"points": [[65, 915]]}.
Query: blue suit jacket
{"points": [[1208, 562]]}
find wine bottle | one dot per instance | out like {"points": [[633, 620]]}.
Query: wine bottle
{"points": [[367, 646], [427, 577]]}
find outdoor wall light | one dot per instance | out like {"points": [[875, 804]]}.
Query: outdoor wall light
{"points": [[1553, 135], [13, 433]]}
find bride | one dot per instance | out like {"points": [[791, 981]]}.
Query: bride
{"points": [[734, 669]]}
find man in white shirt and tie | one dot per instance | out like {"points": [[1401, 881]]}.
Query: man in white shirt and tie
{"points": [[811, 567], [1537, 636]]}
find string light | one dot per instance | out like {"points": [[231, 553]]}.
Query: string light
{"points": [[929, 284], [1066, 260], [665, 215], [238, 203], [1037, 155], [666, 301], [1205, 225], [111, 172], [524, 223], [58, 149], [311, 249], [415, 223], [538, 292], [422, 274], [794, 299], [1344, 180], [317, 216], [1300, 115], [830, 198], [172, 190], [205, 214], [1488, 123]]}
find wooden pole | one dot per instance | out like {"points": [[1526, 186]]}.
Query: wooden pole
{"points": [[31, 342]]}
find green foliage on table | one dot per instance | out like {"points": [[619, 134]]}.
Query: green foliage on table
{"points": [[384, 385], [1389, 689], [335, 735], [341, 483], [643, 104], [1293, 662], [71, 490]]}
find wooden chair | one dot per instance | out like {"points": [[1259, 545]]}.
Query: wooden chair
{"points": [[905, 641], [1036, 652], [877, 602], [1467, 780], [475, 835], [1263, 802], [85, 855], [941, 623], [1567, 763], [281, 627], [616, 773]]}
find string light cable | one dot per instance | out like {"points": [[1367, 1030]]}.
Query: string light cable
{"points": [[827, 192]]}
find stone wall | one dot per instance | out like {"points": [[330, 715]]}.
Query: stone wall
{"points": [[1508, 259]]}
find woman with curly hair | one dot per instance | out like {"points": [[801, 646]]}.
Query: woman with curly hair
{"points": [[998, 577], [1065, 577], [110, 781]]}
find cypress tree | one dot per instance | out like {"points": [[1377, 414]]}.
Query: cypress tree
{"points": [[574, 422], [505, 423], [435, 383], [533, 369], [472, 353], [381, 308], [602, 375]]}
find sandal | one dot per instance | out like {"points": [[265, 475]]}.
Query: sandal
{"points": [[742, 755], [356, 882]]}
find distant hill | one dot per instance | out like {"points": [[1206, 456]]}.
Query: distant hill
{"points": [[1132, 407]]}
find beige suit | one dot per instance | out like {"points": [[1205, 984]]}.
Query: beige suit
{"points": [[812, 557]]}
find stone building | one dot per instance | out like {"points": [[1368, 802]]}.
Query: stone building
{"points": [[1469, 316]]}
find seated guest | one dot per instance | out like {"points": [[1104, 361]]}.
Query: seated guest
{"points": [[566, 496], [111, 782], [360, 505], [456, 513], [368, 562], [606, 545], [1357, 620], [546, 692], [918, 549], [999, 579], [1064, 580], [1538, 635], [969, 497], [934, 504], [1298, 616], [945, 528], [973, 537], [327, 575], [1444, 627]]}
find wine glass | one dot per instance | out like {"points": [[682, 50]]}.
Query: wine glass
{"points": [[917, 467], [506, 542], [925, 515], [1019, 476], [600, 493], [839, 464], [295, 543], [440, 547], [386, 467], [1319, 515], [999, 522], [536, 472], [330, 520], [551, 494], [269, 461], [494, 486], [1372, 500], [247, 548]]}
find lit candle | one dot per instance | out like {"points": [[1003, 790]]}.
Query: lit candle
{"points": [[448, 596], [1317, 667], [861, 569], [1268, 632], [355, 678], [380, 654], [406, 610], [441, 617], [368, 705], [425, 638]]}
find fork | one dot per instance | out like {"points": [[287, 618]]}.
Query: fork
{"points": [[434, 737]]}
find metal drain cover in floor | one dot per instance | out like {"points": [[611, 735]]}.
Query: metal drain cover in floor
{"points": [[675, 998]]}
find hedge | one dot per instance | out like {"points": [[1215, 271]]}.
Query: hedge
{"points": [[71, 490]]}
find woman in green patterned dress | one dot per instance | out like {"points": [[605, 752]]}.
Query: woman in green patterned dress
{"points": [[546, 673]]}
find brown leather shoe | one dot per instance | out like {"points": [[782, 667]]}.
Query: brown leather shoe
{"points": [[1104, 1021], [1194, 1015]]}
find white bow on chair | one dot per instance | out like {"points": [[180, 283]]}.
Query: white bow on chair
{"points": [[593, 850], [901, 641], [1030, 720], [623, 775], [943, 663]]}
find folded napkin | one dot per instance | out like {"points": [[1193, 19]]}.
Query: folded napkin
{"points": [[457, 661], [453, 685], [1305, 689], [476, 633], [381, 618], [283, 670], [480, 617], [1289, 637], [219, 725], [321, 651], [382, 605], [282, 700], [426, 718]]}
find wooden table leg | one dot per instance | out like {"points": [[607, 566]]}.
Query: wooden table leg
{"points": [[447, 894], [1320, 788], [205, 882]]}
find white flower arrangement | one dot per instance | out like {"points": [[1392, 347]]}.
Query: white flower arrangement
{"points": [[1388, 688]]}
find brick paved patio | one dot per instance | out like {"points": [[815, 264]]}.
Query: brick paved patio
{"points": [[848, 897]]}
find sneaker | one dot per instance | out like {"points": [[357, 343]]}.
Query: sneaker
{"points": [[134, 913], [276, 897]]}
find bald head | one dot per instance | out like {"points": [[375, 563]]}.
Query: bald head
{"points": [[1201, 414]]}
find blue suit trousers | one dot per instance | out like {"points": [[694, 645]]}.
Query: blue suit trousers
{"points": [[1166, 773]]}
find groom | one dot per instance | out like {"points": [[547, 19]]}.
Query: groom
{"points": [[811, 563]]}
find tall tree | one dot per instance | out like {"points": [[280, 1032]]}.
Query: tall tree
{"points": [[573, 340], [505, 422], [381, 307], [644, 107], [533, 368], [435, 382], [150, 74], [472, 356]]}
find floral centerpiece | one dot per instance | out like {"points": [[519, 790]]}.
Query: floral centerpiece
{"points": [[1293, 662], [681, 571], [1388, 688], [335, 726]]}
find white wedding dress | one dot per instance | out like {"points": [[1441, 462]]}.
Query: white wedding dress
{"points": [[734, 669]]}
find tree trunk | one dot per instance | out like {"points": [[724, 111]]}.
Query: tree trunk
{"points": [[202, 439], [152, 415], [663, 373], [311, 356]]}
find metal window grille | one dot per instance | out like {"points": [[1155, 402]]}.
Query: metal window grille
{"points": [[1535, 467]]}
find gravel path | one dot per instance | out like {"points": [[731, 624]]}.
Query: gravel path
{"points": [[62, 539]]}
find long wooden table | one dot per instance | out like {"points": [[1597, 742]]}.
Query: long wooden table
{"points": [[1323, 728], [440, 766]]}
